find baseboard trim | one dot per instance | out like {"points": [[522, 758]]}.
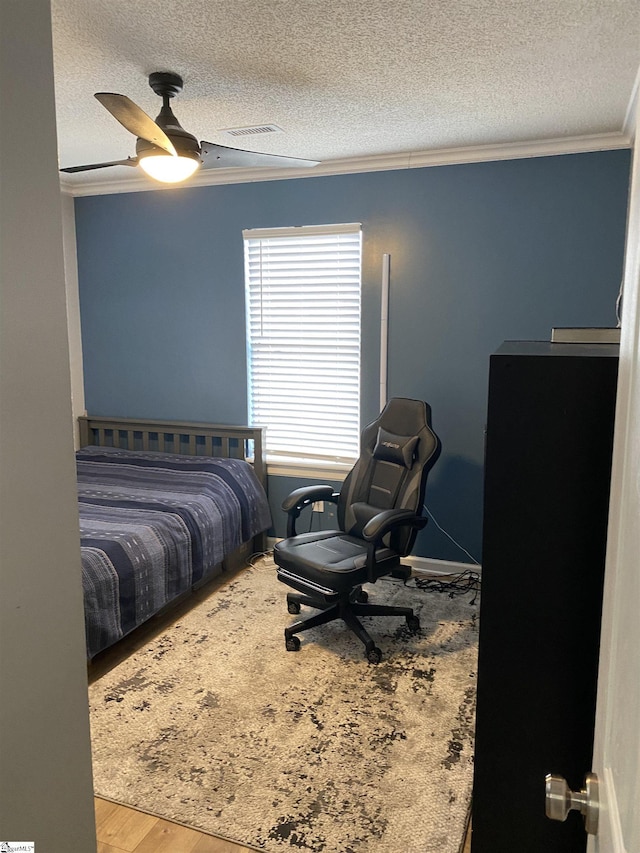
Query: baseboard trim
{"points": [[420, 565], [431, 566]]}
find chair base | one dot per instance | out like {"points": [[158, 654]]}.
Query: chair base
{"points": [[347, 608]]}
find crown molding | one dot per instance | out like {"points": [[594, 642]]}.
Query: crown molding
{"points": [[377, 163]]}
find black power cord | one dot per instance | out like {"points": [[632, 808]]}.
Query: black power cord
{"points": [[458, 584]]}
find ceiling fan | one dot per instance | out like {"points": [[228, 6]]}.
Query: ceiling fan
{"points": [[167, 152]]}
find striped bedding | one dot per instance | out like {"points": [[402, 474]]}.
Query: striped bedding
{"points": [[153, 524]]}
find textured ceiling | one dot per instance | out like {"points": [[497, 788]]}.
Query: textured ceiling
{"points": [[346, 78]]}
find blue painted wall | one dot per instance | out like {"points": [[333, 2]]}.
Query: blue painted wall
{"points": [[480, 253]]}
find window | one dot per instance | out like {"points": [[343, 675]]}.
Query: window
{"points": [[303, 339]]}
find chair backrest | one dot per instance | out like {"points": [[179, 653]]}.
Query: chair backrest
{"points": [[397, 451]]}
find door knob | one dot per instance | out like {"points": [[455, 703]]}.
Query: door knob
{"points": [[560, 800]]}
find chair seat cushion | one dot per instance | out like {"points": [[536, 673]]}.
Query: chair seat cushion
{"points": [[331, 559]]}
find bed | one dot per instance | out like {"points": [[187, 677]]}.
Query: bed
{"points": [[163, 507]]}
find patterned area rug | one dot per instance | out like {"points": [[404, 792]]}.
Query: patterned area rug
{"points": [[214, 725]]}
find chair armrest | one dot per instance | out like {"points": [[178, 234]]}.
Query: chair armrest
{"points": [[388, 520], [299, 498], [295, 502], [381, 524]]}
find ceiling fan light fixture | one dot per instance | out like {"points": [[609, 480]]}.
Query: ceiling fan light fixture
{"points": [[167, 169], [166, 151]]}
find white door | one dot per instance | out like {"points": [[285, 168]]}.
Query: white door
{"points": [[617, 738]]}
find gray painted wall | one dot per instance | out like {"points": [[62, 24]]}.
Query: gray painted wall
{"points": [[480, 253], [46, 791]]}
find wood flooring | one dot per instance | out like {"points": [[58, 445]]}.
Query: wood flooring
{"points": [[120, 829], [123, 830]]}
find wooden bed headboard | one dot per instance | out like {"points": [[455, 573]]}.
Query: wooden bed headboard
{"points": [[192, 439]]}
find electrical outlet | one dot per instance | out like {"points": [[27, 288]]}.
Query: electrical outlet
{"points": [[318, 506]]}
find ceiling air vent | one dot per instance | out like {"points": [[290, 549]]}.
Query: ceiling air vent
{"points": [[252, 131]]}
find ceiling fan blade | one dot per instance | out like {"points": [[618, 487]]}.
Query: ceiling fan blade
{"points": [[221, 157], [135, 120], [130, 161]]}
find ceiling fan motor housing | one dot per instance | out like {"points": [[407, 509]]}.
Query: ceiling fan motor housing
{"points": [[185, 143], [167, 85]]}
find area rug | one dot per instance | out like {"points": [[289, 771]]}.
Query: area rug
{"points": [[216, 726]]}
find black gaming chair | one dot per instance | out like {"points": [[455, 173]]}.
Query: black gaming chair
{"points": [[379, 515]]}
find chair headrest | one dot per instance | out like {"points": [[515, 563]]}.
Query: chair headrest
{"points": [[395, 448], [390, 436]]}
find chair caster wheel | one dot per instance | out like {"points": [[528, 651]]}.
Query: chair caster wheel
{"points": [[413, 624], [362, 597], [292, 644], [374, 655], [293, 607]]}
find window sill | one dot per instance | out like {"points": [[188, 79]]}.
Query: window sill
{"points": [[312, 469]]}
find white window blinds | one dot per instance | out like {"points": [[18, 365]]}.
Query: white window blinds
{"points": [[303, 339]]}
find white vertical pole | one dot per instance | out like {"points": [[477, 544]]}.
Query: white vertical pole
{"points": [[384, 329]]}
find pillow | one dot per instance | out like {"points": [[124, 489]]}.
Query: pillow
{"points": [[399, 449]]}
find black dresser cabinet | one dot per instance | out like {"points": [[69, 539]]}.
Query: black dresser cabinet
{"points": [[547, 476]]}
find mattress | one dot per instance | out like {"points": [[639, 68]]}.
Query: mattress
{"points": [[152, 525]]}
